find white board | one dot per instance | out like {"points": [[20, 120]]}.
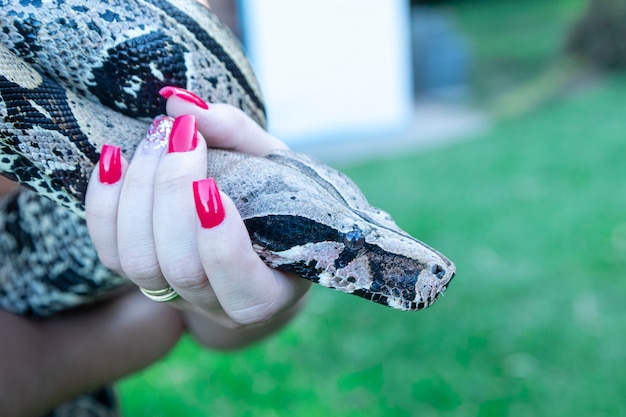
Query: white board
{"points": [[331, 69]]}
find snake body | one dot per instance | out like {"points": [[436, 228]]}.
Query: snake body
{"points": [[74, 75]]}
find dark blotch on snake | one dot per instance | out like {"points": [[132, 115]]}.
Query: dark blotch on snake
{"points": [[282, 232], [134, 60]]}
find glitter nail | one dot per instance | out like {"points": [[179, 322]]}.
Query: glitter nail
{"points": [[158, 135]]}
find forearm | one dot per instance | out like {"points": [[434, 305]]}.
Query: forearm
{"points": [[7, 186], [43, 363]]}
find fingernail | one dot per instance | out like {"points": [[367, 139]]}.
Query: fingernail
{"points": [[184, 136], [183, 94], [208, 203], [157, 136], [110, 164]]}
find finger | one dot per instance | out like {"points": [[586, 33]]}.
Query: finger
{"points": [[227, 127], [223, 126], [137, 253], [247, 289], [174, 215], [101, 202]]}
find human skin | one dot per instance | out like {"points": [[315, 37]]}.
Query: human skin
{"points": [[44, 362]]}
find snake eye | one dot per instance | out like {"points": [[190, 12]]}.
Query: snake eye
{"points": [[438, 271], [354, 239]]}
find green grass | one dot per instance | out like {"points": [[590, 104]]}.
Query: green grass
{"points": [[534, 215]]}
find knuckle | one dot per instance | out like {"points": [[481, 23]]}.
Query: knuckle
{"points": [[136, 181], [233, 122], [254, 314], [240, 119], [185, 275], [98, 214], [190, 283], [140, 267], [169, 180]]}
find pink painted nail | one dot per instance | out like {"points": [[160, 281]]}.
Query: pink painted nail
{"points": [[110, 164], [183, 94], [184, 136], [208, 203]]}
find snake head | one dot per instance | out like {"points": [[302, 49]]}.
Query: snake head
{"points": [[380, 265], [308, 219], [391, 268]]}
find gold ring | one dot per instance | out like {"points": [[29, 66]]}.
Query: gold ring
{"points": [[160, 296]]}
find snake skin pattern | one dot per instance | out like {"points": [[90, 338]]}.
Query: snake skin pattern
{"points": [[47, 261], [76, 75], [73, 77]]}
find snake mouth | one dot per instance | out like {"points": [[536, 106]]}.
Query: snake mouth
{"points": [[444, 287], [441, 292], [450, 280]]}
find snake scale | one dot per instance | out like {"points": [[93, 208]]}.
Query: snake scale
{"points": [[75, 74]]}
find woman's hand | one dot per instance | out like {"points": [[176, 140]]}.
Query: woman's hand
{"points": [[143, 221]]}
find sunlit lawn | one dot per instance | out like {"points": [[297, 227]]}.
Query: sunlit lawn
{"points": [[534, 215]]}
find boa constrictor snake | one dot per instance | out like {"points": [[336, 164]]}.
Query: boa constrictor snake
{"points": [[74, 75]]}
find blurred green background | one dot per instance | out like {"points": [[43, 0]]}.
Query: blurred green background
{"points": [[532, 212]]}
